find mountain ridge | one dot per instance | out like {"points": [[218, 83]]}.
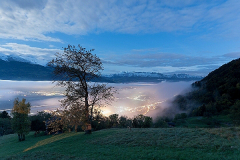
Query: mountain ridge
{"points": [[12, 68], [216, 94]]}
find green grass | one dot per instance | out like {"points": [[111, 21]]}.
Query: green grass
{"points": [[165, 143], [204, 122]]}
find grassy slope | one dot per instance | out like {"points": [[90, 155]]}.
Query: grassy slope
{"points": [[204, 122], [166, 143]]}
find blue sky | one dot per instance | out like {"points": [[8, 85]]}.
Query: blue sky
{"points": [[167, 36]]}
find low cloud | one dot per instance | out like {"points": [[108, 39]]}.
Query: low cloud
{"points": [[232, 55], [34, 54], [167, 62], [147, 60]]}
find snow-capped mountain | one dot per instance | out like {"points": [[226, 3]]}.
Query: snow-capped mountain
{"points": [[153, 75], [13, 58], [138, 74], [28, 58]]}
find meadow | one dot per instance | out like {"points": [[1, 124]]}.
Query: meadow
{"points": [[141, 143]]}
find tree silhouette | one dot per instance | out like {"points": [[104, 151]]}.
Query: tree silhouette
{"points": [[77, 69], [4, 114]]}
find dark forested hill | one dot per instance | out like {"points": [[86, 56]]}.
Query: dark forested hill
{"points": [[225, 79], [217, 93]]}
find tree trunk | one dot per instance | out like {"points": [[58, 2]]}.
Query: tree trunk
{"points": [[19, 138], [23, 137], [76, 126], [91, 116], [88, 127]]}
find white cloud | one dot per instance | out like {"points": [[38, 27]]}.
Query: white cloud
{"points": [[161, 59], [26, 20], [153, 60], [201, 70], [137, 59], [34, 54]]}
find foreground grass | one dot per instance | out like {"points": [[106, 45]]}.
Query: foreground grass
{"points": [[166, 143], [205, 122]]}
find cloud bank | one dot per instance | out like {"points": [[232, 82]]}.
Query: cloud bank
{"points": [[36, 20], [141, 60], [33, 54]]}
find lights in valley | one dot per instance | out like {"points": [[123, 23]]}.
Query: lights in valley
{"points": [[146, 104], [44, 93]]}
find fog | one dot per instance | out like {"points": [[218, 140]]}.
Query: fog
{"points": [[42, 95], [132, 98]]}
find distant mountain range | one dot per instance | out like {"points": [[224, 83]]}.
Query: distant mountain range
{"points": [[126, 77], [16, 68]]}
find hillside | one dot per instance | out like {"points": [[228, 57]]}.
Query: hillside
{"points": [[164, 143], [217, 93], [16, 70]]}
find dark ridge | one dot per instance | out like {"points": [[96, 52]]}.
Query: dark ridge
{"points": [[216, 94], [15, 70]]}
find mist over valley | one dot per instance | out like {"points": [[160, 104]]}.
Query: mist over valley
{"points": [[119, 79], [137, 92], [131, 98]]}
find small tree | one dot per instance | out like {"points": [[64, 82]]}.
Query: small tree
{"points": [[55, 125], [147, 122], [73, 116], [235, 112], [20, 121], [75, 69], [4, 114], [138, 121], [5, 126], [38, 121], [123, 121], [114, 120], [160, 123], [99, 121]]}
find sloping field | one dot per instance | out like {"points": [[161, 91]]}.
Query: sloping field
{"points": [[165, 143]]}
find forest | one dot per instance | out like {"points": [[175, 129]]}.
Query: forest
{"points": [[216, 94]]}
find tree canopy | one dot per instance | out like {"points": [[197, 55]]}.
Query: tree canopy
{"points": [[78, 68], [20, 121]]}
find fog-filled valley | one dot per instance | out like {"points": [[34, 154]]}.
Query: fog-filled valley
{"points": [[131, 98], [119, 79]]}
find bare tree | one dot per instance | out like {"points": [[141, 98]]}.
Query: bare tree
{"points": [[76, 69]]}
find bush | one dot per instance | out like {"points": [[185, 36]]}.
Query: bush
{"points": [[235, 112], [147, 122], [180, 116], [5, 126], [160, 123]]}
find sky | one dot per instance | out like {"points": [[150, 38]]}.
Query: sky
{"points": [[165, 36]]}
